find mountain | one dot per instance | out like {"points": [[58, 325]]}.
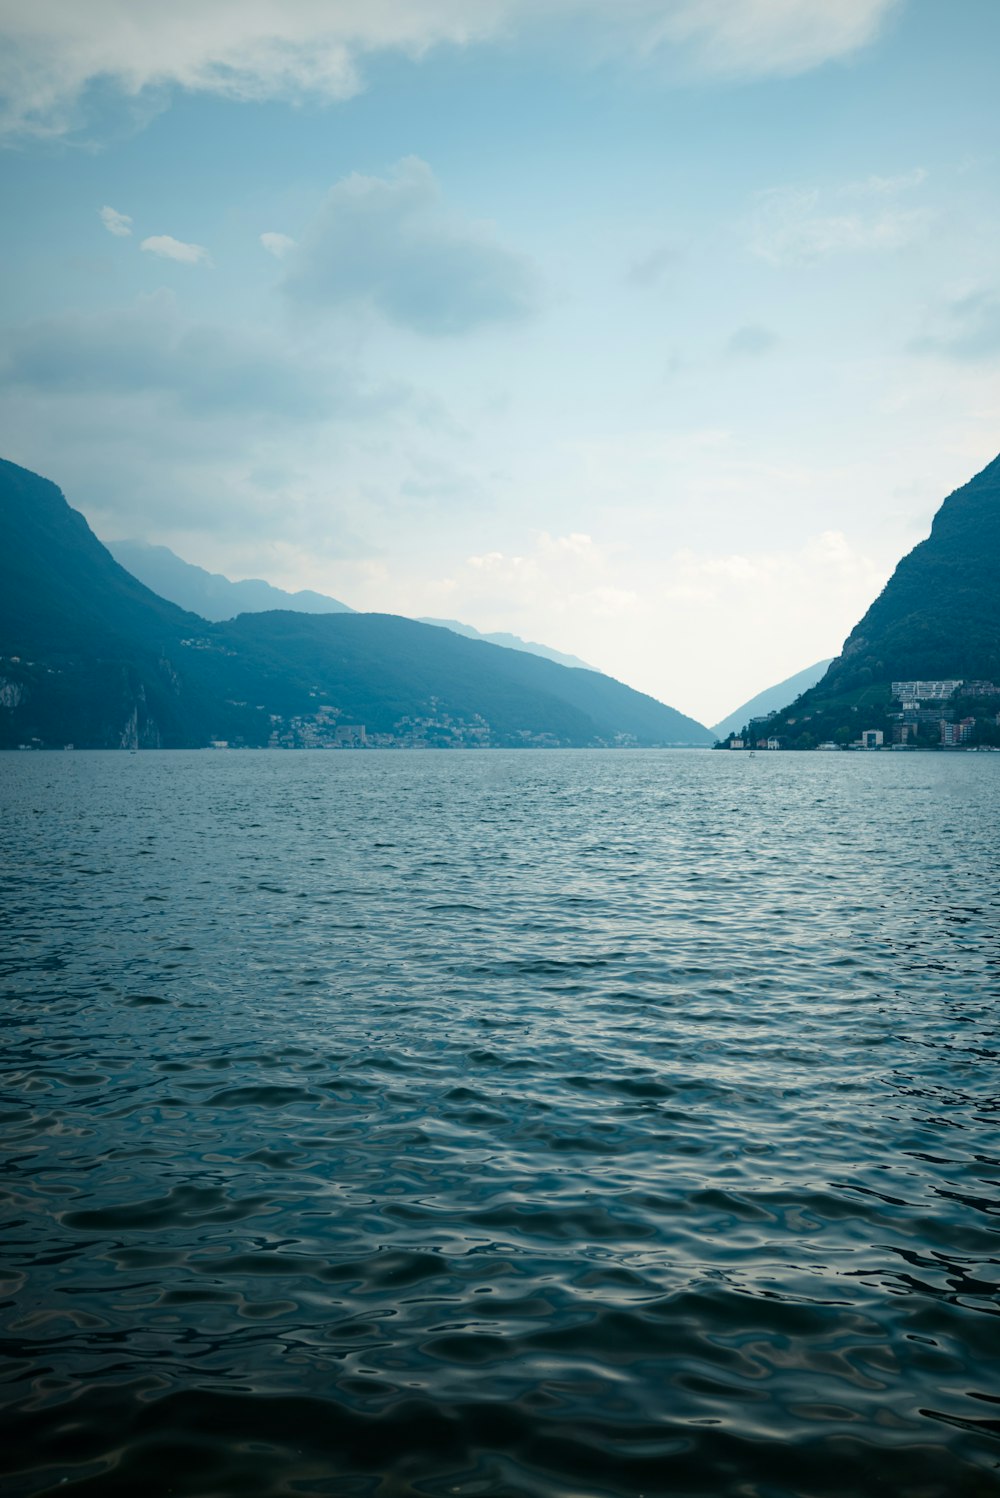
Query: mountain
{"points": [[209, 593], [83, 644], [511, 642], [939, 613], [937, 618], [771, 700], [387, 668], [215, 597], [91, 656]]}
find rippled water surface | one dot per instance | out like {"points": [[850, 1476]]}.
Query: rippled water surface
{"points": [[580, 1125]]}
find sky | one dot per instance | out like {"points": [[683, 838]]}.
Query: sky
{"points": [[654, 330]]}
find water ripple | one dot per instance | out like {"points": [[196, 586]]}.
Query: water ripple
{"points": [[571, 1125]]}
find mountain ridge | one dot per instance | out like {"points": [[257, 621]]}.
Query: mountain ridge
{"points": [[212, 595], [511, 642], [216, 597]]}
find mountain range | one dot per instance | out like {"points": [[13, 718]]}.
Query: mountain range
{"points": [[91, 656], [216, 597]]}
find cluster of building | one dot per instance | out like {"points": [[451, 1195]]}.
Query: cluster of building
{"points": [[922, 708], [924, 713], [322, 729], [325, 729], [750, 742]]}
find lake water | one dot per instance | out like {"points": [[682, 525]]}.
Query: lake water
{"points": [[573, 1125]]}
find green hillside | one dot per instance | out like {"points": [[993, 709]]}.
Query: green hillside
{"points": [[381, 667], [938, 617]]}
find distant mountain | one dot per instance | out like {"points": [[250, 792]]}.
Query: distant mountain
{"points": [[209, 593], [937, 618], [771, 700], [215, 597], [90, 656], [512, 642]]}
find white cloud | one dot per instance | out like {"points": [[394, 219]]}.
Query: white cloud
{"points": [[393, 245], [826, 565], [881, 187], [800, 226], [169, 248], [54, 49], [572, 572], [277, 245], [768, 37], [116, 223]]}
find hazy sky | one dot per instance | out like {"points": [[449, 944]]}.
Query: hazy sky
{"points": [[652, 329]]}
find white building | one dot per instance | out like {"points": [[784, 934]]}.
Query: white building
{"points": [[924, 691]]}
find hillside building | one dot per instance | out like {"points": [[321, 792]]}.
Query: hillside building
{"points": [[924, 691], [953, 734]]}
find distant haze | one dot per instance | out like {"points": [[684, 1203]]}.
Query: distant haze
{"points": [[512, 642], [210, 594], [214, 596], [771, 700]]}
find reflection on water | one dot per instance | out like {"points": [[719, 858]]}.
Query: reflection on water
{"points": [[579, 1125]]}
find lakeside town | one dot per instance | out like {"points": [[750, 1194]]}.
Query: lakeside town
{"points": [[946, 714]]}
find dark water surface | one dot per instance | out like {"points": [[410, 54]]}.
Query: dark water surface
{"points": [[574, 1125]]}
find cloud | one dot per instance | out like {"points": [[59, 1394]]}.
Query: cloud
{"points": [[277, 245], [650, 269], [769, 37], [200, 370], [970, 329], [573, 572], [393, 245], [801, 226], [54, 50], [116, 223], [751, 341], [169, 248], [827, 565], [882, 187], [152, 420]]}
